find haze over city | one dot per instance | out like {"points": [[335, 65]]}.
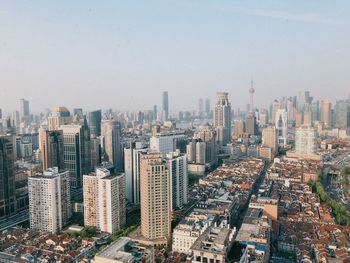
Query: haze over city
{"points": [[175, 131], [122, 54]]}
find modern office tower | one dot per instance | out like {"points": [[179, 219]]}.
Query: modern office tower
{"points": [[51, 149], [298, 119], [269, 138], [315, 111], [7, 177], [325, 113], [168, 142], [165, 112], [281, 124], [155, 112], [222, 119], [177, 167], [104, 200], [200, 153], [132, 159], [49, 200], [77, 152], [24, 111], [95, 152], [200, 108], [305, 140], [304, 100], [307, 117], [251, 126], [207, 134], [342, 114], [156, 198], [112, 147], [95, 123], [207, 108], [59, 116], [78, 112], [275, 106]]}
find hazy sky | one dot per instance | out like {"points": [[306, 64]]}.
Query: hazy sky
{"points": [[123, 54]]}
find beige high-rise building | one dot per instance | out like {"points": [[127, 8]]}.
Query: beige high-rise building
{"points": [[51, 149], [269, 138], [59, 116], [112, 148], [325, 113], [155, 198], [49, 200], [104, 200]]}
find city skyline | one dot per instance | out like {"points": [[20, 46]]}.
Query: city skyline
{"points": [[120, 53]]}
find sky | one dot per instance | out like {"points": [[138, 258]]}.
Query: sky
{"points": [[123, 54]]}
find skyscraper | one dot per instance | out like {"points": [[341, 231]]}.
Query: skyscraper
{"points": [[104, 200], [177, 167], [7, 177], [24, 110], [342, 114], [325, 113], [112, 148], [165, 106], [168, 142], [281, 124], [269, 138], [207, 108], [49, 200], [59, 116], [77, 152], [207, 135], [51, 149], [155, 198], [222, 119], [155, 112], [132, 160], [95, 123], [305, 140]]}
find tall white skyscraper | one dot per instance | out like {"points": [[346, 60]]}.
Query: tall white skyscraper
{"points": [[132, 159], [281, 124], [104, 200], [222, 118], [112, 148], [49, 200], [177, 167]]}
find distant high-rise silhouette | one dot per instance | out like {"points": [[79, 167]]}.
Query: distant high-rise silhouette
{"points": [[165, 106]]}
